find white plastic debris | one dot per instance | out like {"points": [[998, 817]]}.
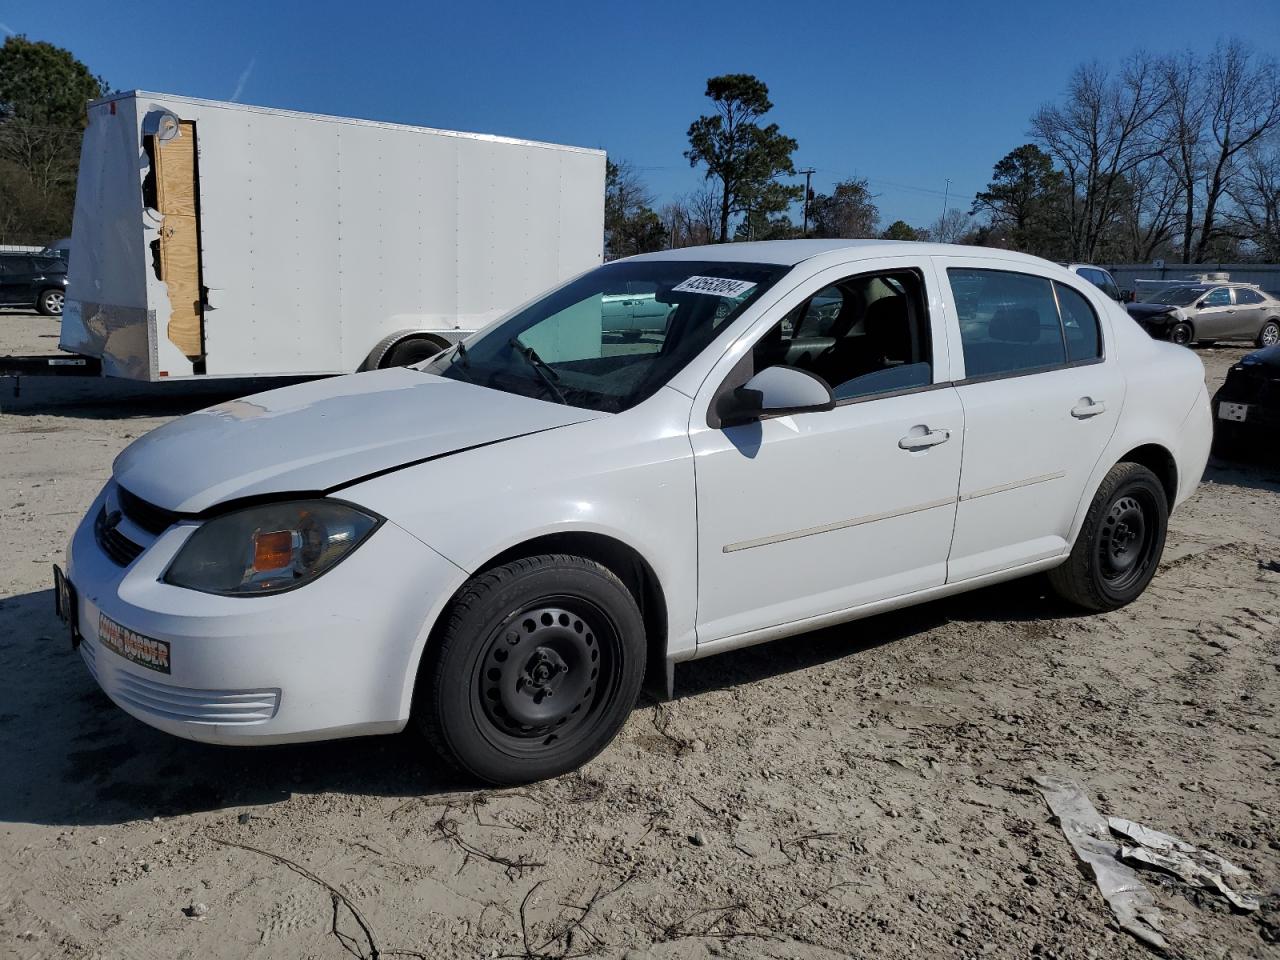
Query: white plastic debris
{"points": [[1197, 867], [1130, 901]]}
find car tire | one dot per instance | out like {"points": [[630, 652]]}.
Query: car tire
{"points": [[1181, 333], [534, 671], [1120, 543], [1269, 335], [409, 351], [50, 302]]}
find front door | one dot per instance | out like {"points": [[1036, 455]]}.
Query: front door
{"points": [[1217, 318], [1041, 401], [820, 512]]}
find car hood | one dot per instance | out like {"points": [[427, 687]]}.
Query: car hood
{"points": [[1144, 310], [316, 436]]}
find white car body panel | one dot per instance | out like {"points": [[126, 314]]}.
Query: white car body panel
{"points": [[750, 533], [314, 437]]}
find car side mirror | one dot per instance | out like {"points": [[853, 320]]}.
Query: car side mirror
{"points": [[776, 391], [1126, 296], [1202, 304]]}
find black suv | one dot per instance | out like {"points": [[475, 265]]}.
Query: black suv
{"points": [[33, 280]]}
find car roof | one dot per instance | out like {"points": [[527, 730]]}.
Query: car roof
{"points": [[790, 252]]}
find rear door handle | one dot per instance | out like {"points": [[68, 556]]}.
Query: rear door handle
{"points": [[922, 441], [1087, 408]]}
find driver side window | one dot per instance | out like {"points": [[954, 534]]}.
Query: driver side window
{"points": [[865, 335], [1218, 298]]}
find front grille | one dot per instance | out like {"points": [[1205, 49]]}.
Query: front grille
{"points": [[148, 516], [114, 544], [192, 705]]}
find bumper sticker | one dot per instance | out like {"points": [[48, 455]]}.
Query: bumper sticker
{"points": [[144, 651]]}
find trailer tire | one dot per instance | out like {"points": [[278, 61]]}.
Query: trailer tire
{"points": [[388, 353], [410, 351]]}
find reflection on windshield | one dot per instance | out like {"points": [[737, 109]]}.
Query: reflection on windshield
{"points": [[1178, 296], [612, 337]]}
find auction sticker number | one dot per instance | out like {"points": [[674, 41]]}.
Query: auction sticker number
{"points": [[144, 651], [714, 286]]}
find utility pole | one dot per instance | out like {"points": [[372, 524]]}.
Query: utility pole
{"points": [[808, 174], [942, 224]]}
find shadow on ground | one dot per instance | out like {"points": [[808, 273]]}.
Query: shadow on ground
{"points": [[102, 398], [74, 758]]}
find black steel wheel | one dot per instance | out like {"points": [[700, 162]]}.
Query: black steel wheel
{"points": [[537, 666], [1120, 542], [1181, 333]]}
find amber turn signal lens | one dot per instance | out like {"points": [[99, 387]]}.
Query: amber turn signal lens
{"points": [[272, 551]]}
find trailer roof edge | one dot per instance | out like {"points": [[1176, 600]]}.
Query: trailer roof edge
{"points": [[386, 125]]}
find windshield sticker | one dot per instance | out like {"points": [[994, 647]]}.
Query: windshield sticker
{"points": [[714, 286]]}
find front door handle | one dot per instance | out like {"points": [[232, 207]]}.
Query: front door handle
{"points": [[1087, 408], [924, 439]]}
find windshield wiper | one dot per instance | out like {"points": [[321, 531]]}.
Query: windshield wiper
{"points": [[539, 366]]}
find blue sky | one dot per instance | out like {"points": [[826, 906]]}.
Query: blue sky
{"points": [[905, 94]]}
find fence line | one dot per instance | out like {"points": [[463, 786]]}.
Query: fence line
{"points": [[1265, 275]]}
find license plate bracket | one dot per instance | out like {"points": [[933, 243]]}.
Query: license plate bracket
{"points": [[1235, 412], [66, 604]]}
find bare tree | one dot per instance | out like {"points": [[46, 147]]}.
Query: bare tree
{"points": [[1148, 221], [951, 227], [1102, 131], [1256, 194], [1242, 105], [1182, 125]]}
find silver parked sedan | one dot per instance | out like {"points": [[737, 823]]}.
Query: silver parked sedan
{"points": [[1211, 311]]}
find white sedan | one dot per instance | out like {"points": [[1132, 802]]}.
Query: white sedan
{"points": [[497, 545]]}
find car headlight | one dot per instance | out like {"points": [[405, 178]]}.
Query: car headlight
{"points": [[269, 548]]}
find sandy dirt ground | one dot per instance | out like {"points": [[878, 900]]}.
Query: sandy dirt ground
{"points": [[861, 791]]}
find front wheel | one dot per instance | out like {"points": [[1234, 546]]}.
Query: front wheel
{"points": [[1119, 546], [50, 303], [1269, 335], [537, 667], [1181, 333]]}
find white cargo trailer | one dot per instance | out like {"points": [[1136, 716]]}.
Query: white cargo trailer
{"points": [[222, 240]]}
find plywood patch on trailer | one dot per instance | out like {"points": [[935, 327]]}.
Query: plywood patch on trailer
{"points": [[180, 238]]}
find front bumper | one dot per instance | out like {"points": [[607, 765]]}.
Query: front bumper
{"points": [[334, 658]]}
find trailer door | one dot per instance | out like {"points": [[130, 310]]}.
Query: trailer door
{"points": [[178, 197]]}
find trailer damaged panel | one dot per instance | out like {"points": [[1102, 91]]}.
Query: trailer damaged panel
{"points": [[215, 239]]}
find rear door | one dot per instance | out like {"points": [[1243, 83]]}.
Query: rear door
{"points": [[1041, 400], [1249, 312]]}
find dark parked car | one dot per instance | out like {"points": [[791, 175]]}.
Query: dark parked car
{"points": [[1246, 409], [28, 280]]}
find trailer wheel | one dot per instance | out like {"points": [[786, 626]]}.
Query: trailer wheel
{"points": [[409, 351], [50, 302]]}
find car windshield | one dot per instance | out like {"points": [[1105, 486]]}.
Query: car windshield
{"points": [[613, 336], [1179, 296]]}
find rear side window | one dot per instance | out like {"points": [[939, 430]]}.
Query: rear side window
{"points": [[1008, 321], [1079, 325], [1247, 296]]}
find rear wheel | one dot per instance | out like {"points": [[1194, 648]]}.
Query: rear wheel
{"points": [[536, 669], [1181, 333], [1269, 335], [50, 303], [1119, 546]]}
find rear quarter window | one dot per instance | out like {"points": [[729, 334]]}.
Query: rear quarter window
{"points": [[1079, 325]]}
